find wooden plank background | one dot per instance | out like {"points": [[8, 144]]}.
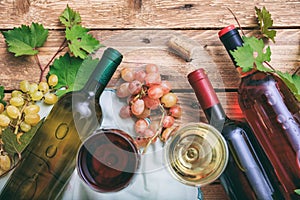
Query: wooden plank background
{"points": [[146, 21]]}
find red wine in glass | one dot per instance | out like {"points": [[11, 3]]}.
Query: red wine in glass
{"points": [[108, 160]]}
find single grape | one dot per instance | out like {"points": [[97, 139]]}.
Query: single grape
{"points": [[52, 80], [175, 111], [125, 112], [122, 90], [148, 133], [16, 93], [37, 95], [13, 112], [151, 68], [167, 133], [168, 121], [140, 126], [5, 163], [137, 107], [17, 101], [130, 99], [152, 78], [25, 86], [1, 107], [151, 103], [146, 113], [166, 86], [135, 87], [155, 125], [169, 100], [43, 87], [140, 75], [127, 74], [141, 142], [32, 119], [25, 127], [31, 109], [4, 120], [33, 88], [155, 92], [50, 98]]}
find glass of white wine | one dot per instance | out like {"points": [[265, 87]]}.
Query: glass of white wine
{"points": [[197, 154]]}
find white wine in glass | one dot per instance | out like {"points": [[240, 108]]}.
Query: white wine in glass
{"points": [[197, 154]]}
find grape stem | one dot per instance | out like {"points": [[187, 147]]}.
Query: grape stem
{"points": [[158, 130], [235, 18], [43, 69], [19, 119], [297, 70]]}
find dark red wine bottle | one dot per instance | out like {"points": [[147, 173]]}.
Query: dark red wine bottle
{"points": [[273, 113], [244, 177]]}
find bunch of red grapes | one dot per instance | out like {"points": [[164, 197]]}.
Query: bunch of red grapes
{"points": [[146, 95]]}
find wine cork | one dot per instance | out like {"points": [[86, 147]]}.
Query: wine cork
{"points": [[183, 47]]}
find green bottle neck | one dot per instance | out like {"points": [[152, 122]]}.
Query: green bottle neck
{"points": [[103, 72]]}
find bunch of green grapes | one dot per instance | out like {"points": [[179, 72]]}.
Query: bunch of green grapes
{"points": [[22, 112]]}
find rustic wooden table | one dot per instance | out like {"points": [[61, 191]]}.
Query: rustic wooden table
{"points": [[138, 29]]}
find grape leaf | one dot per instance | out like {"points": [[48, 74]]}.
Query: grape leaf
{"points": [[65, 67], [292, 81], [25, 40], [69, 17], [80, 42], [72, 72], [252, 54], [265, 22], [2, 95], [11, 144], [297, 191]]}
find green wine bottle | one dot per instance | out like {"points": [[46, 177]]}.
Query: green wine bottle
{"points": [[49, 160]]}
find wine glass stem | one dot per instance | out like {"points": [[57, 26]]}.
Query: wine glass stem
{"points": [[200, 194]]}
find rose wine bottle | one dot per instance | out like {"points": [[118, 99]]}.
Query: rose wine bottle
{"points": [[244, 176], [49, 160], [273, 114]]}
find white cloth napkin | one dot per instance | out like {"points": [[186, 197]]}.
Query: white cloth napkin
{"points": [[153, 180]]}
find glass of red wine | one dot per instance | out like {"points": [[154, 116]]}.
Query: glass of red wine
{"points": [[108, 160]]}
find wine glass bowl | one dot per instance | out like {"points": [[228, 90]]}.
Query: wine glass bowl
{"points": [[107, 161], [197, 154]]}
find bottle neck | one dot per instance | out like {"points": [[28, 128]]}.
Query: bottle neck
{"points": [[245, 74], [231, 39], [207, 98], [103, 72]]}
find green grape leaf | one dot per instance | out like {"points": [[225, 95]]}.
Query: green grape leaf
{"points": [[265, 22], [69, 17], [297, 191], [9, 138], [2, 95], [252, 53], [80, 42], [25, 40], [72, 72], [292, 81], [65, 67]]}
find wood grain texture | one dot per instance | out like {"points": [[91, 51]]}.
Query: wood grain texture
{"points": [[140, 30], [111, 14], [149, 46]]}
